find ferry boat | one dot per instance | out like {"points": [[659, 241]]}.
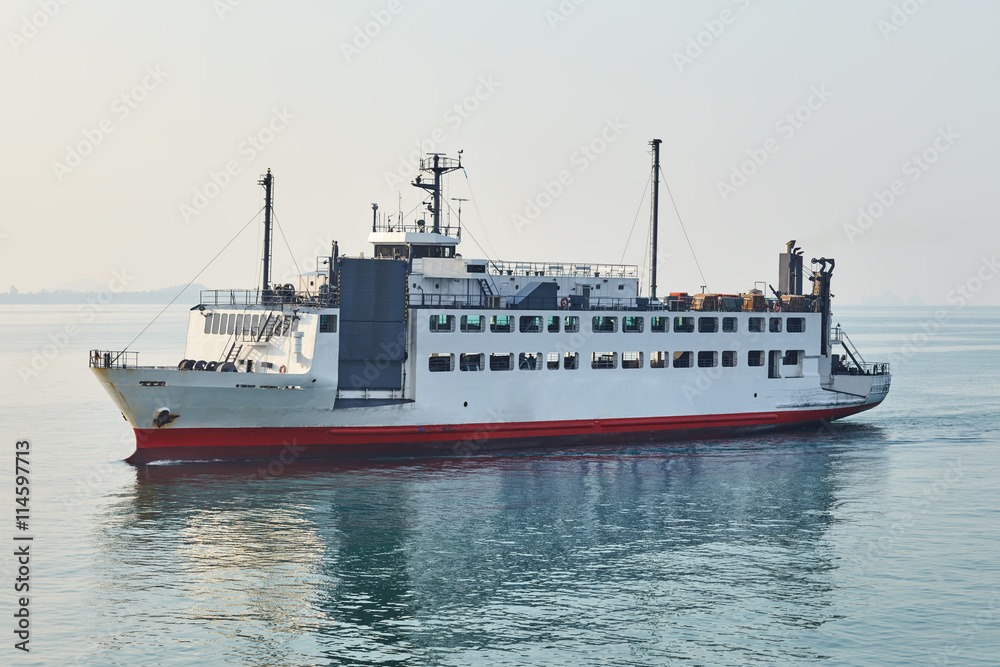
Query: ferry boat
{"points": [[417, 350]]}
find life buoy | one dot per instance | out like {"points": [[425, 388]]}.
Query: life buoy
{"points": [[564, 303], [282, 369]]}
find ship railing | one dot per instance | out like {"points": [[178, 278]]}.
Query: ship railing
{"points": [[454, 231], [864, 368], [564, 269], [113, 359], [272, 298], [572, 303]]}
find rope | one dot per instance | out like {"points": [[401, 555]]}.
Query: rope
{"points": [[190, 282], [641, 201], [686, 237]]}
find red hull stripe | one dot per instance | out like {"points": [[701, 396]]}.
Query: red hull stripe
{"points": [[152, 444]]}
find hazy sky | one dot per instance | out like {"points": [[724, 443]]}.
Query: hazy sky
{"points": [[779, 121]]}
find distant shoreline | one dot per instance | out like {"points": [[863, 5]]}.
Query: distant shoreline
{"points": [[105, 297]]}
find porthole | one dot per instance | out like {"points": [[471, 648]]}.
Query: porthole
{"points": [[465, 405]]}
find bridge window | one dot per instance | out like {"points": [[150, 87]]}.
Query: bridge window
{"points": [[631, 359], [215, 320], [658, 359], [531, 324], [729, 325], [602, 324], [684, 324], [501, 324], [470, 362], [208, 323], [328, 324], [552, 361], [553, 324], [633, 324], [439, 363], [775, 325], [571, 324], [472, 323], [683, 359], [232, 324], [604, 360], [796, 324], [755, 358], [659, 324], [791, 358], [708, 324], [442, 323], [502, 362], [755, 325], [729, 359], [708, 359], [571, 361]]}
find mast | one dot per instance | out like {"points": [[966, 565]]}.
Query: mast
{"points": [[655, 143], [438, 165], [268, 182]]}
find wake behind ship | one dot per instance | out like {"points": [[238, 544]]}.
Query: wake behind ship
{"points": [[418, 350]]}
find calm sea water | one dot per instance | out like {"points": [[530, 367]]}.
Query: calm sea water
{"points": [[875, 542]]}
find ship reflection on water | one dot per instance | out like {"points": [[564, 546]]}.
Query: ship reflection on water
{"points": [[640, 554]]}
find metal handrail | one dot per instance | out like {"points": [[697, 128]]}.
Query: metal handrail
{"points": [[113, 359]]}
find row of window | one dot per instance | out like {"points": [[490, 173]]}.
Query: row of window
{"points": [[610, 324], [531, 361], [227, 324]]}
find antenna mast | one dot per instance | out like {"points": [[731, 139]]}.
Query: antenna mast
{"points": [[268, 182], [655, 143], [437, 164]]}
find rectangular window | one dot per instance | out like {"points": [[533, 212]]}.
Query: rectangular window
{"points": [[633, 324], [729, 359], [601, 324], [755, 358], [472, 323], [659, 324], [683, 359], [216, 319], [658, 359], [442, 323], [531, 324], [553, 324], [440, 363], [501, 362], [683, 324], [775, 325], [571, 360], [604, 360], [796, 325], [708, 359], [328, 324], [528, 361], [501, 324], [729, 325], [255, 328], [239, 325], [791, 358], [208, 324], [708, 324], [552, 361], [631, 359], [232, 324], [755, 325], [571, 324], [470, 361]]}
